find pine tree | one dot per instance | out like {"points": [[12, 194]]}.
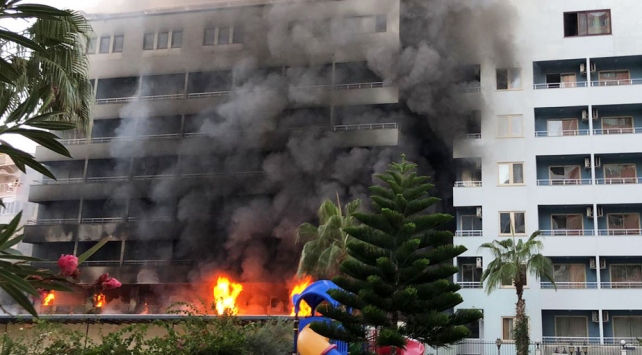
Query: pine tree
{"points": [[397, 283]]}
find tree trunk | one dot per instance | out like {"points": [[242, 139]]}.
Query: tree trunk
{"points": [[520, 328]]}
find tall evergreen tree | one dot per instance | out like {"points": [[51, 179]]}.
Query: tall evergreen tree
{"points": [[398, 279]]}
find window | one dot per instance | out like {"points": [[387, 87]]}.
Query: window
{"points": [[119, 42], [471, 223], [511, 173], [623, 223], [564, 175], [564, 80], [148, 41], [627, 326], [508, 328], [238, 34], [510, 126], [625, 274], [512, 221], [617, 125], [509, 79], [575, 274], [470, 273], [615, 77], [571, 326], [91, 45], [11, 208], [473, 329], [381, 23], [223, 35], [209, 37], [105, 43], [163, 39], [564, 127], [587, 23], [567, 224], [177, 39], [620, 174]]}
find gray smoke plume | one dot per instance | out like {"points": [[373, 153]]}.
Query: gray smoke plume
{"points": [[245, 223]]}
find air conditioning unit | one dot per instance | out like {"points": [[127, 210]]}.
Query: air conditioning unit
{"points": [[600, 212], [602, 263], [605, 316], [582, 68], [592, 265], [589, 211], [584, 115], [479, 212], [593, 67], [598, 162], [595, 317], [479, 263], [595, 114], [587, 163]]}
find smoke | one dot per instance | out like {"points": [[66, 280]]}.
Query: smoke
{"points": [[269, 141]]}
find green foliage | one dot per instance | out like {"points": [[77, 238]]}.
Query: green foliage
{"points": [[397, 279]]}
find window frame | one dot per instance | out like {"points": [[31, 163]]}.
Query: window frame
{"points": [[510, 333], [626, 317], [475, 271], [566, 216], [620, 265], [509, 126], [153, 38], [512, 222], [509, 71], [573, 316], [550, 175], [615, 71], [560, 264], [113, 43], [158, 42], [635, 169], [608, 224], [461, 221], [171, 40], [92, 41], [511, 172], [576, 13], [563, 131], [605, 130], [100, 41]]}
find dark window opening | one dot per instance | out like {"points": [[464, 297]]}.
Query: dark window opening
{"points": [[161, 125], [209, 37], [473, 126], [381, 23], [153, 166], [105, 43], [108, 168], [238, 35], [163, 39], [107, 128], [209, 81], [587, 23], [148, 41], [553, 80], [223, 35], [177, 39], [117, 87], [119, 43], [154, 85], [103, 209], [354, 72]]}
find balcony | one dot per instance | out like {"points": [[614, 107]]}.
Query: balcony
{"points": [[561, 121], [565, 221], [621, 284], [559, 74], [547, 285], [470, 271], [469, 233], [562, 170], [618, 169], [616, 71], [469, 222], [566, 232], [468, 172]]}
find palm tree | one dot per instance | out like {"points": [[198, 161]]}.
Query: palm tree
{"points": [[513, 261], [326, 245]]}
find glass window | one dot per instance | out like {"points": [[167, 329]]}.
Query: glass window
{"points": [[617, 125], [209, 37], [239, 34], [509, 79], [119, 42], [574, 274], [163, 40], [177, 39], [473, 329], [381, 24], [511, 173], [223, 35], [587, 23], [148, 41], [470, 273], [510, 126], [512, 220], [567, 224], [623, 223], [627, 327], [615, 77], [625, 273], [105, 43], [507, 328], [575, 327], [565, 127], [91, 45], [471, 223], [564, 175], [620, 174]]}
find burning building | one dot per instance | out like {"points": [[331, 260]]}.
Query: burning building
{"points": [[218, 128]]}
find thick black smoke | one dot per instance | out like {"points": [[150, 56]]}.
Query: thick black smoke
{"points": [[246, 223]]}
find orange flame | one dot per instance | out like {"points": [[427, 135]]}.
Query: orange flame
{"points": [[304, 309], [48, 301], [99, 300], [225, 294]]}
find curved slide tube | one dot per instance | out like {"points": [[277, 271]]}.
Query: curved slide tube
{"points": [[413, 347], [311, 343]]}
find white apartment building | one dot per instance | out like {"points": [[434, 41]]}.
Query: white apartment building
{"points": [[558, 151]]}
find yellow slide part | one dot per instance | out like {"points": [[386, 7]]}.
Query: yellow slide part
{"points": [[311, 343]]}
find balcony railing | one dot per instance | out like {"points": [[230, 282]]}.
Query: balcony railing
{"points": [[619, 232], [575, 341], [150, 219], [468, 233], [363, 127], [468, 183], [107, 178], [568, 285], [155, 177], [566, 232], [52, 221], [162, 97], [58, 182], [625, 130], [563, 133], [558, 182], [473, 136], [560, 85], [116, 100], [620, 284], [616, 341], [469, 284], [616, 82], [73, 141], [618, 181], [101, 220]]}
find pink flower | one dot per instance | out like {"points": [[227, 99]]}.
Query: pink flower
{"points": [[68, 264], [107, 282]]}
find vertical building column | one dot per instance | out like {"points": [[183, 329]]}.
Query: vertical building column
{"points": [[185, 85], [599, 314], [590, 117], [332, 92], [182, 131], [76, 237]]}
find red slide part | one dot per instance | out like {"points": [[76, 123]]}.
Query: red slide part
{"points": [[413, 347]]}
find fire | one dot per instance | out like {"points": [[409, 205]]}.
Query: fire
{"points": [[99, 300], [225, 294], [304, 309], [48, 301]]}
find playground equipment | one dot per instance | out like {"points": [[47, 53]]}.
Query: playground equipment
{"points": [[307, 342]]}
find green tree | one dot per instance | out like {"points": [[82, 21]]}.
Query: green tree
{"points": [[512, 261], [397, 281], [325, 245]]}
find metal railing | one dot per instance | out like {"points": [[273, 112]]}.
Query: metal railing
{"points": [[619, 232], [470, 284], [155, 177], [200, 95], [618, 181], [626, 130], [158, 262], [563, 133], [364, 127], [116, 100], [566, 232], [573, 341], [468, 183], [468, 233], [568, 285], [560, 182], [580, 84], [52, 221], [73, 141], [473, 136], [107, 178], [241, 173], [616, 82], [162, 97], [101, 220], [373, 85], [8, 187], [150, 219], [620, 284], [58, 182]]}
